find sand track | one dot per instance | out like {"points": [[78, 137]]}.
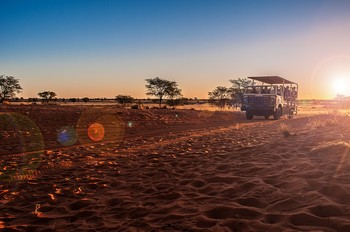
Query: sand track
{"points": [[214, 176]]}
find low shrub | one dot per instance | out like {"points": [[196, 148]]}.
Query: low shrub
{"points": [[285, 130]]}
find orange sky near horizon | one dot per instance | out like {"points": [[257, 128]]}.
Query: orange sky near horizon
{"points": [[321, 83]]}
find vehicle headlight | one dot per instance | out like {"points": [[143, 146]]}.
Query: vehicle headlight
{"points": [[272, 99], [245, 100]]}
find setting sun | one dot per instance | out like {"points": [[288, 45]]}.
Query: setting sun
{"points": [[341, 85]]}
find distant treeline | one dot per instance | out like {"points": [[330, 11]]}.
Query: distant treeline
{"points": [[110, 100], [184, 100]]}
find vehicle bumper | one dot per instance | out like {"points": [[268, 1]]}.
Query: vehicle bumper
{"points": [[259, 110]]}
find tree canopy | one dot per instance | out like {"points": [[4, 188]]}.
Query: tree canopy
{"points": [[162, 88], [124, 99], [220, 96], [47, 95], [9, 87], [85, 99], [237, 88]]}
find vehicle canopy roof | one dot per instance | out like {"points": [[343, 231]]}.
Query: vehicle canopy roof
{"points": [[272, 80]]}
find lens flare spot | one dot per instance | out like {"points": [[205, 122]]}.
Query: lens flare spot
{"points": [[96, 132], [130, 124], [67, 136], [100, 124], [22, 135]]}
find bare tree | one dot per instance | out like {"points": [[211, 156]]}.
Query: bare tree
{"points": [[47, 95], [162, 88], [220, 96], [9, 87]]}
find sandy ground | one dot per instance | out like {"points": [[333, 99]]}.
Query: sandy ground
{"points": [[172, 170]]}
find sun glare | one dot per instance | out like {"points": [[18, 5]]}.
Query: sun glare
{"points": [[341, 85]]}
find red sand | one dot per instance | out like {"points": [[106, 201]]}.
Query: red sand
{"points": [[173, 170]]}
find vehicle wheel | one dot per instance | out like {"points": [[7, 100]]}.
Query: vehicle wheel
{"points": [[267, 117], [249, 115], [277, 114]]}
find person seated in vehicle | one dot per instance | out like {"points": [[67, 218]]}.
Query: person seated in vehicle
{"points": [[287, 93], [294, 94], [265, 90], [253, 89], [279, 91], [273, 90]]}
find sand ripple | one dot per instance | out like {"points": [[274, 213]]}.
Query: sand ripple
{"points": [[225, 178]]}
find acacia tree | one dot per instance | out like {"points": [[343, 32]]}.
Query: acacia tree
{"points": [[73, 99], [47, 96], [9, 87], [85, 99], [162, 88], [237, 89], [124, 99], [220, 96]]}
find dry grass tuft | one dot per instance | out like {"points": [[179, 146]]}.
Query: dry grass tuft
{"points": [[316, 123], [331, 144], [333, 148], [334, 112], [237, 126], [329, 117], [334, 121], [327, 120], [285, 130]]}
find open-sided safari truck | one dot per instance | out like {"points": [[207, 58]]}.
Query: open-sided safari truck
{"points": [[275, 96]]}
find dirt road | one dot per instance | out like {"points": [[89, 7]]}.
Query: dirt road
{"points": [[185, 171]]}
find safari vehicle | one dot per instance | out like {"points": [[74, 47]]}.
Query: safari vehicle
{"points": [[275, 96]]}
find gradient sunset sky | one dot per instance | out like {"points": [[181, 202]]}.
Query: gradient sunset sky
{"points": [[80, 48]]}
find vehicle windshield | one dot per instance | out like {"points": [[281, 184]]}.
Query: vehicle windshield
{"points": [[260, 89], [288, 92]]}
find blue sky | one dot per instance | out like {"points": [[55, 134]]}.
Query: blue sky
{"points": [[104, 48]]}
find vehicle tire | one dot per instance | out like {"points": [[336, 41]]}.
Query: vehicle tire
{"points": [[267, 117], [249, 115], [277, 114]]}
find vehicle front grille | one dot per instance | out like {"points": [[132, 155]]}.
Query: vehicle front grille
{"points": [[251, 100], [266, 100], [258, 100]]}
